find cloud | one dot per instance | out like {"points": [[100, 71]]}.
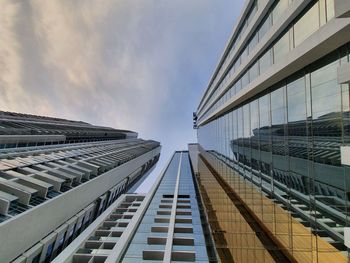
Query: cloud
{"points": [[139, 65]]}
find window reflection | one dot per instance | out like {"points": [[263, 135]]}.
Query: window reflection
{"points": [[307, 24], [289, 139], [315, 16]]}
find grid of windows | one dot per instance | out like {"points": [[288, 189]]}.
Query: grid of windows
{"points": [[58, 240], [29, 178], [150, 242], [99, 245], [314, 17], [249, 225], [286, 141]]}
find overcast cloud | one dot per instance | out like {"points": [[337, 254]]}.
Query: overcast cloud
{"points": [[134, 64]]}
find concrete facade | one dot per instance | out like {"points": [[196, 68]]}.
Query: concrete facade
{"points": [[53, 187], [272, 129]]}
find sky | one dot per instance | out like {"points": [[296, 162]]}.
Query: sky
{"points": [[141, 65]]}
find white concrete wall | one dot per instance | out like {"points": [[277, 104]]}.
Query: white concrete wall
{"points": [[23, 231]]}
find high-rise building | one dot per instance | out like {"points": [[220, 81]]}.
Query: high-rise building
{"points": [[166, 225], [56, 178], [273, 133]]}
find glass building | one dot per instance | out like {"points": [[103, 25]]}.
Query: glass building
{"points": [[273, 132], [57, 177], [165, 225]]}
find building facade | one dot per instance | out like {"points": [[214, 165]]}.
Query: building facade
{"points": [[166, 225], [273, 134], [57, 176]]}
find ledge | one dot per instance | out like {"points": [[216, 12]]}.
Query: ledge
{"points": [[325, 40]]}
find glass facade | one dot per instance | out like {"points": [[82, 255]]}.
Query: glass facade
{"points": [[285, 142], [316, 14], [149, 244]]}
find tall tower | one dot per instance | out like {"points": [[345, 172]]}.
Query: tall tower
{"points": [[273, 134], [57, 176], [165, 225]]}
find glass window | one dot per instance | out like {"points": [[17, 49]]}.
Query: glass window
{"points": [[298, 142], [253, 11], [246, 120], [265, 61], [244, 54], [36, 259], [306, 25], [245, 79], [346, 110], [253, 42], [344, 56], [254, 133], [246, 139], [254, 71], [48, 252], [265, 134], [229, 135], [278, 110], [254, 118], [11, 145], [238, 62], [296, 100], [281, 48], [240, 134], [327, 128], [238, 85], [239, 36], [235, 136], [265, 27], [278, 135], [325, 91], [264, 111], [278, 10], [290, 138]]}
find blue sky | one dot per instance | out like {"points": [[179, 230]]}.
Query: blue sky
{"points": [[134, 64]]}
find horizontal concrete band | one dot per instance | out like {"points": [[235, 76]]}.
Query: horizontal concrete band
{"points": [[275, 31], [23, 231], [328, 38]]}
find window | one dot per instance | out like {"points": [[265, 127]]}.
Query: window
{"points": [[296, 100], [245, 79], [279, 10], [36, 259], [306, 25], [48, 253], [265, 61], [253, 42], [254, 71], [265, 27], [325, 91], [281, 48]]}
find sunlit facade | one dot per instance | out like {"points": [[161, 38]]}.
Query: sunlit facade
{"points": [[273, 133]]}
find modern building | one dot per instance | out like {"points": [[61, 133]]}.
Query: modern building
{"points": [[57, 177], [273, 133], [165, 225]]}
